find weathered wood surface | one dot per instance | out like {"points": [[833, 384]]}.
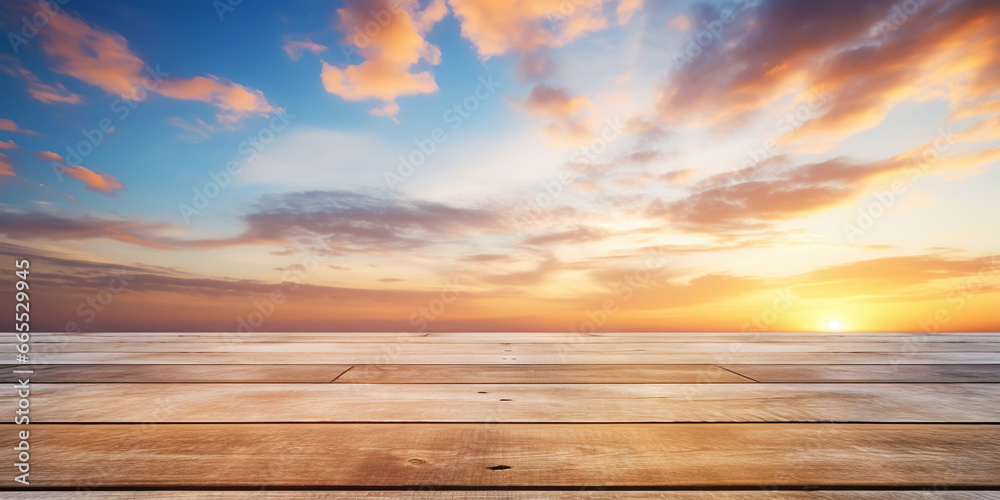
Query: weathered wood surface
{"points": [[751, 456], [375, 374], [870, 373], [539, 374], [624, 415], [390, 355], [152, 374], [552, 403], [431, 494]]}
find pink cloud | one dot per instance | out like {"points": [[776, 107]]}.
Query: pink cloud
{"points": [[9, 126], [295, 48], [6, 169], [36, 88], [95, 181]]}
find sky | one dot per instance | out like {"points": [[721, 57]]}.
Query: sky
{"points": [[502, 165]]}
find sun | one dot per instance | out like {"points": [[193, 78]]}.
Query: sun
{"points": [[834, 325]]}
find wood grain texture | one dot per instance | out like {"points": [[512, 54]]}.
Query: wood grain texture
{"points": [[539, 374], [417, 494], [135, 403], [870, 373], [182, 373], [752, 456]]}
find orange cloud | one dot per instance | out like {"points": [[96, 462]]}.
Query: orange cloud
{"points": [[95, 181], [864, 60], [626, 9], [570, 122], [295, 48], [496, 27], [103, 58], [6, 169], [9, 126], [36, 88], [389, 35], [235, 100]]}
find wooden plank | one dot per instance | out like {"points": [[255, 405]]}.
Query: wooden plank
{"points": [[430, 494], [382, 374], [389, 355], [592, 403], [870, 373], [539, 374], [182, 373], [751, 456]]}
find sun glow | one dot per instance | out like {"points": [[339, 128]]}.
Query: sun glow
{"points": [[834, 325]]}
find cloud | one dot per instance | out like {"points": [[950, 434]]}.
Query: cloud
{"points": [[496, 27], [864, 57], [95, 181], [9, 126], [103, 58], [888, 276], [680, 22], [355, 222], [543, 270], [568, 116], [8, 145], [6, 169], [389, 35], [295, 48], [31, 226], [534, 68], [194, 131], [759, 195], [36, 88], [579, 234], [626, 9]]}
